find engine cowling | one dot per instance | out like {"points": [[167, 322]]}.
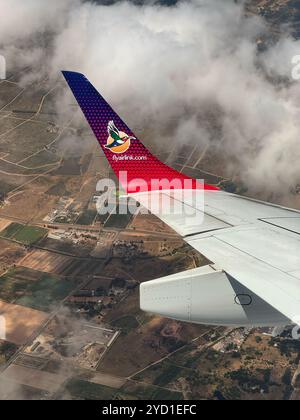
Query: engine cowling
{"points": [[207, 296]]}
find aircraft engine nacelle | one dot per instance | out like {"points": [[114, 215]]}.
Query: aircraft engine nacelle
{"points": [[206, 296]]}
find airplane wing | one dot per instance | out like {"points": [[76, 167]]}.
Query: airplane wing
{"points": [[254, 247]]}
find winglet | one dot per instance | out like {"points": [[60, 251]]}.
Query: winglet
{"points": [[144, 172]]}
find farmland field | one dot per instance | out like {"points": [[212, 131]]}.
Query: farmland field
{"points": [[18, 143], [79, 388], [87, 218], [11, 230], [46, 293], [7, 350], [20, 322], [30, 235], [43, 158], [45, 381], [47, 262], [126, 323], [27, 235], [145, 392], [119, 220], [34, 289], [10, 253]]}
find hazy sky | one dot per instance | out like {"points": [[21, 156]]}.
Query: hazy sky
{"points": [[180, 71]]}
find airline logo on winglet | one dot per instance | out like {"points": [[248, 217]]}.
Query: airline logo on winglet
{"points": [[117, 142]]}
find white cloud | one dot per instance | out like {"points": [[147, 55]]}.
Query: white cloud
{"points": [[163, 67]]}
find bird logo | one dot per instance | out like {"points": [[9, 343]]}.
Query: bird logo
{"points": [[117, 142]]}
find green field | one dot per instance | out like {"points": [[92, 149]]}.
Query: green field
{"points": [[26, 235], [119, 220], [80, 389], [34, 289], [148, 392], [126, 323], [46, 293], [169, 374], [12, 285], [11, 230], [87, 218], [7, 350], [162, 375], [58, 189]]}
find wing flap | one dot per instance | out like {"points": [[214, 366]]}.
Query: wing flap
{"points": [[278, 288]]}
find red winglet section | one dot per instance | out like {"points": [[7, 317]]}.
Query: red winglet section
{"points": [[136, 168]]}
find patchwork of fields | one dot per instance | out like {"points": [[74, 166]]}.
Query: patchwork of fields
{"points": [[34, 289], [27, 235]]}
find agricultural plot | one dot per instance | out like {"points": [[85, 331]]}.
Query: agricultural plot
{"points": [[7, 350], [30, 235], [69, 167], [126, 323], [45, 381], [15, 282], [21, 322], [47, 262], [68, 247], [119, 220], [150, 223], [145, 392], [44, 157], [11, 230], [46, 293], [25, 140], [58, 190], [29, 100], [163, 374], [10, 253], [11, 391], [26, 235], [83, 268], [34, 289], [87, 218], [84, 390]]}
